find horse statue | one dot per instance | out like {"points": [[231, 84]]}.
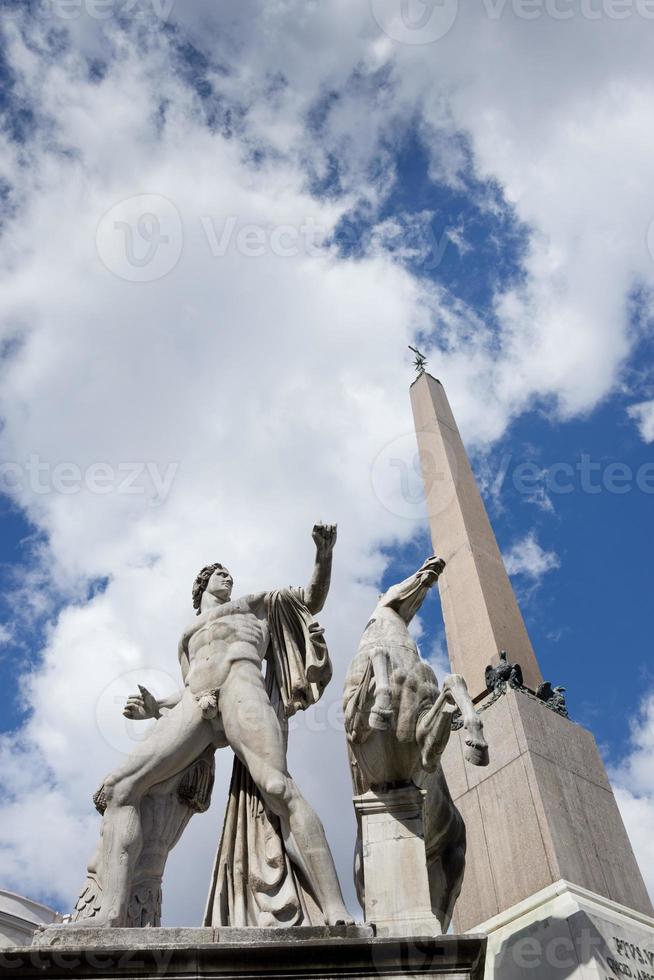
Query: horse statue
{"points": [[398, 723]]}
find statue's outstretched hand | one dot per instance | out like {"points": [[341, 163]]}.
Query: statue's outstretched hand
{"points": [[324, 536], [141, 706]]}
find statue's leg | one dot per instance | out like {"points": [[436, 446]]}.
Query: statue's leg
{"points": [[254, 733], [476, 750], [445, 842], [445, 881], [175, 741], [446, 876], [381, 713]]}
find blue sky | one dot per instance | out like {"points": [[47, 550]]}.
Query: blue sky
{"points": [[168, 318]]}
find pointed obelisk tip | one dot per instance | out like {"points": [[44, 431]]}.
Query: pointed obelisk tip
{"points": [[426, 374], [420, 364]]}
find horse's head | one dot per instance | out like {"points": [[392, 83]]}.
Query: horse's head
{"points": [[406, 597]]}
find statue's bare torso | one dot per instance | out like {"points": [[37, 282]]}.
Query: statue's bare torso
{"points": [[234, 633]]}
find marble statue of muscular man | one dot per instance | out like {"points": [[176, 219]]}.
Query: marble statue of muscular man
{"points": [[225, 702]]}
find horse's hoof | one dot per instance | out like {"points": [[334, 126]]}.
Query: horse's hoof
{"points": [[380, 719], [477, 755]]}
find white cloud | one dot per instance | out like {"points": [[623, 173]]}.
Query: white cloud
{"points": [[633, 782], [527, 557], [272, 381], [253, 375], [539, 131], [643, 416]]}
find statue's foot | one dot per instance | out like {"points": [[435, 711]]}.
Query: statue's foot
{"points": [[338, 916], [102, 921]]}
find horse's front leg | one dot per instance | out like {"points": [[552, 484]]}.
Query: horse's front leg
{"points": [[433, 730], [476, 751], [381, 713]]}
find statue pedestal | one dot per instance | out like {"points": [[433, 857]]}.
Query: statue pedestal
{"points": [[82, 953], [542, 811], [397, 897], [569, 933]]}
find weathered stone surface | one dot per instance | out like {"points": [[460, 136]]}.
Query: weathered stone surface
{"points": [[275, 954], [536, 817], [561, 801], [397, 898], [397, 724], [500, 731], [536, 732], [518, 860], [568, 933], [478, 884], [480, 610], [184, 937]]}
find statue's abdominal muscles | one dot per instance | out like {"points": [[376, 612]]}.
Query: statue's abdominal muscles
{"points": [[220, 644]]}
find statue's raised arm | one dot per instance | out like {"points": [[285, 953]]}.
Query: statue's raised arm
{"points": [[315, 594]]}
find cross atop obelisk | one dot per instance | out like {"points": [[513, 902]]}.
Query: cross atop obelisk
{"points": [[480, 610]]}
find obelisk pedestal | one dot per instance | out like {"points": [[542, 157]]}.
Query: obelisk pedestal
{"points": [[543, 810], [569, 933], [397, 897]]}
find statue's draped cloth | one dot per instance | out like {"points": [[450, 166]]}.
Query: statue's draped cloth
{"points": [[254, 882]]}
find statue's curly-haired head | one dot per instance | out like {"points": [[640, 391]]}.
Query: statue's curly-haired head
{"points": [[201, 582]]}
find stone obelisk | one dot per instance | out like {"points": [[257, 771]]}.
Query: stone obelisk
{"points": [[480, 610], [549, 861]]}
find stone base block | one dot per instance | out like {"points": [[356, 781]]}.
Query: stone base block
{"points": [[396, 885], [568, 933], [70, 953], [88, 936], [542, 811]]}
